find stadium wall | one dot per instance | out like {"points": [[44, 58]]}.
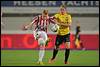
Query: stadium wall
{"points": [[18, 13], [27, 41]]}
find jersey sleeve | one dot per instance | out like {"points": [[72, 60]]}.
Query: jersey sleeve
{"points": [[35, 19], [56, 16], [51, 20]]}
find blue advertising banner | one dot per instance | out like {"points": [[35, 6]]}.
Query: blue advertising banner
{"points": [[49, 3]]}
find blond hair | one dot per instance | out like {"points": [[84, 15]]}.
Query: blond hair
{"points": [[63, 6], [45, 12]]}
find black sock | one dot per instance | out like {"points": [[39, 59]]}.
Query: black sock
{"points": [[55, 51], [67, 51]]}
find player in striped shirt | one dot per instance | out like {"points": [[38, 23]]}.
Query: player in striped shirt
{"points": [[40, 32]]}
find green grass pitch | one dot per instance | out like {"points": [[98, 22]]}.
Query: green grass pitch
{"points": [[30, 57]]}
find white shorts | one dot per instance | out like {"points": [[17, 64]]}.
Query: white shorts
{"points": [[41, 36]]}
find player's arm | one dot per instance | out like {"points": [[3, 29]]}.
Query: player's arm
{"points": [[52, 20], [55, 19], [61, 24], [31, 24], [64, 24]]}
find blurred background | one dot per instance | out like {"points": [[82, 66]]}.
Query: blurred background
{"points": [[18, 47], [16, 14]]}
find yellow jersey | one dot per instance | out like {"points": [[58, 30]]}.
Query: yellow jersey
{"points": [[65, 18]]}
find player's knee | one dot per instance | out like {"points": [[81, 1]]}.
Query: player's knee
{"points": [[67, 45], [41, 41], [42, 47], [56, 47]]}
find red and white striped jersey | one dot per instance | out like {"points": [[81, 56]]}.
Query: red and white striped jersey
{"points": [[41, 23]]}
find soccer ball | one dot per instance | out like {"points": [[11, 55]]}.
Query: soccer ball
{"points": [[41, 41], [55, 28]]}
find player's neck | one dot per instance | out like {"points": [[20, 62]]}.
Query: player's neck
{"points": [[44, 18]]}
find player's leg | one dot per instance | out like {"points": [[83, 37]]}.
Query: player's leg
{"points": [[42, 50], [67, 52], [42, 42], [44, 34], [81, 44], [55, 51], [77, 43], [67, 49], [47, 41], [41, 54]]}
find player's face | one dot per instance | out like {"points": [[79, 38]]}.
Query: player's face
{"points": [[45, 16], [62, 10]]}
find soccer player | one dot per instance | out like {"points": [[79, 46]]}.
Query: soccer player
{"points": [[63, 19], [40, 32], [78, 42]]}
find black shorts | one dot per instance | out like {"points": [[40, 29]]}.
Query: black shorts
{"points": [[77, 37], [60, 39]]}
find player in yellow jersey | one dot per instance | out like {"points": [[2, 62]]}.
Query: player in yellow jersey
{"points": [[63, 19]]}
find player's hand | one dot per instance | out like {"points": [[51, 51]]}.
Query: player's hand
{"points": [[24, 28], [58, 23]]}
